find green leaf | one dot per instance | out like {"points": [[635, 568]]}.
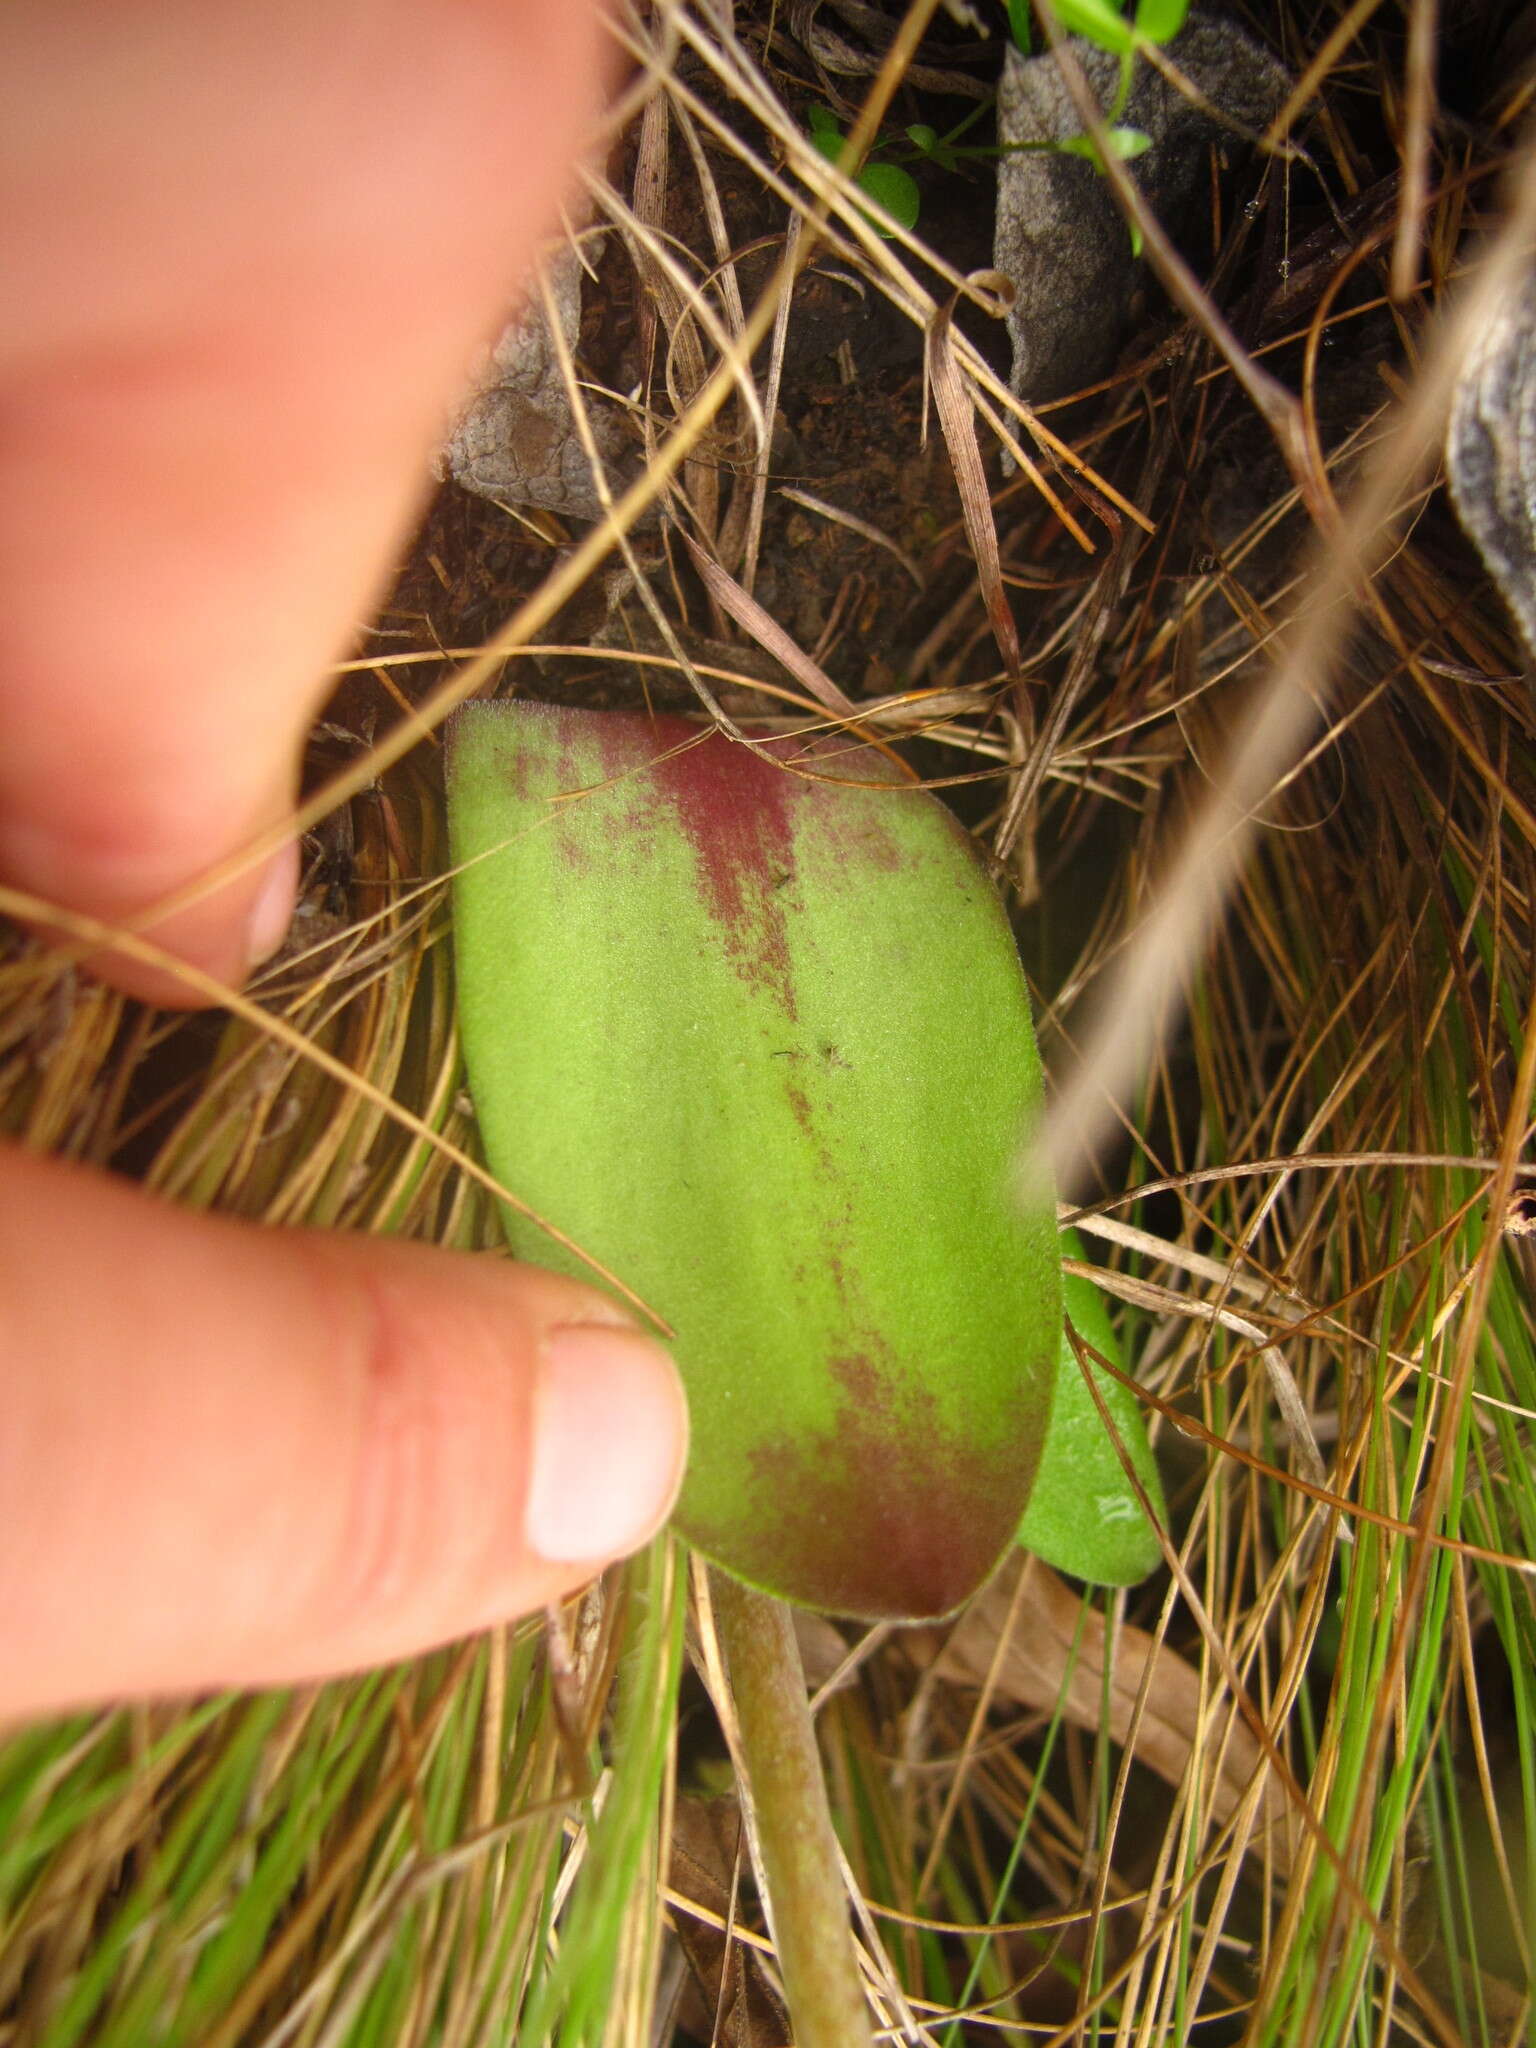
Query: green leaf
{"points": [[1099, 22], [931, 144], [1018, 26], [1084, 1516], [759, 1042], [826, 136], [894, 191], [1126, 143], [1160, 20], [1123, 85]]}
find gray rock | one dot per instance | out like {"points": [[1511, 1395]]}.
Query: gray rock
{"points": [[1060, 236], [1490, 453], [516, 439]]}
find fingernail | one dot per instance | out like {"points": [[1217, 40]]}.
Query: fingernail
{"points": [[610, 1442], [272, 912]]}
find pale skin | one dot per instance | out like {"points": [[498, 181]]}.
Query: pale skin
{"points": [[248, 251]]}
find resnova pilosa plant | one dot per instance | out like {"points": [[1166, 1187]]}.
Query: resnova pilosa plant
{"points": [[746, 1023]]}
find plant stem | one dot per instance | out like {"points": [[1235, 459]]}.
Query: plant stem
{"points": [[806, 1899]]}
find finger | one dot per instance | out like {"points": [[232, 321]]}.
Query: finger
{"points": [[230, 1455], [249, 254]]}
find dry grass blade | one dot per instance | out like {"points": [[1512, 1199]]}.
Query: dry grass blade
{"points": [[771, 637], [1418, 120], [959, 426]]}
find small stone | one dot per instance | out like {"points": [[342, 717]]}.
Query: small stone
{"points": [[516, 439]]}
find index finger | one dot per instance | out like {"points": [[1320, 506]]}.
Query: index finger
{"points": [[251, 251]]}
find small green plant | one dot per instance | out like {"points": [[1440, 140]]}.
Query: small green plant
{"points": [[892, 189], [885, 178], [890, 186]]}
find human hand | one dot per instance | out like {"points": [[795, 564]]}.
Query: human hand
{"points": [[248, 251]]}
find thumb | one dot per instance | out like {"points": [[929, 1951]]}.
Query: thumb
{"points": [[231, 1455]]}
